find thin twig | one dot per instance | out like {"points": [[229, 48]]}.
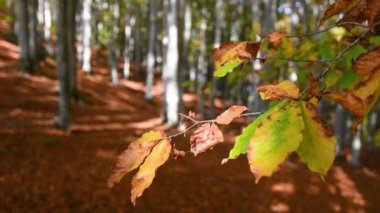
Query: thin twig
{"points": [[327, 29]]}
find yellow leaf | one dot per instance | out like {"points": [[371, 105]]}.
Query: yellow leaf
{"points": [[147, 171], [284, 90], [132, 157]]}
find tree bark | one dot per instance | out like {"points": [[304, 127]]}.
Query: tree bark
{"points": [[171, 65], [23, 35], [64, 63], [87, 35], [150, 55]]}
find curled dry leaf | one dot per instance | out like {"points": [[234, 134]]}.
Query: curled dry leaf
{"points": [[368, 62], [337, 7], [232, 53], [132, 157], [147, 171], [205, 137], [227, 116], [284, 90]]}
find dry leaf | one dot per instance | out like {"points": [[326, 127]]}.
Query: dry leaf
{"points": [[205, 137], [227, 116], [373, 12], [276, 36], [337, 7], [178, 153], [132, 157], [368, 62], [284, 90], [313, 88], [147, 171]]}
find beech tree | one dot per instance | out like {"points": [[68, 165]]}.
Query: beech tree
{"points": [[292, 124]]}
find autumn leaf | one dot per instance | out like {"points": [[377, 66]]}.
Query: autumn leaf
{"points": [[284, 90], [205, 137], [279, 134], [317, 148], [227, 116], [361, 100], [132, 157], [241, 143], [147, 171], [358, 14], [368, 62], [231, 54], [373, 12], [313, 88], [337, 7], [276, 36]]}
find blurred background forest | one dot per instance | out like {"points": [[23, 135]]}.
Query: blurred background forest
{"points": [[81, 79]]}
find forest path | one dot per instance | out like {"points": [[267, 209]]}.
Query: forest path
{"points": [[43, 169]]}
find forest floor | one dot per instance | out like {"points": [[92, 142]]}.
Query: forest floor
{"points": [[43, 169]]}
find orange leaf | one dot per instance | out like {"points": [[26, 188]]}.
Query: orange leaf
{"points": [[227, 116], [275, 36], [284, 90], [349, 101], [205, 137], [368, 62], [337, 7], [131, 158]]}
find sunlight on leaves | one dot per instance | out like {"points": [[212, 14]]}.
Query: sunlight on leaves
{"points": [[205, 137], [284, 90], [227, 116]]}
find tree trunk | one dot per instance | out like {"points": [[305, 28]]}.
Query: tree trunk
{"points": [[150, 55], [23, 36], [137, 43], [202, 65], [127, 34], [64, 10], [47, 25], [87, 34], [171, 65], [71, 55]]}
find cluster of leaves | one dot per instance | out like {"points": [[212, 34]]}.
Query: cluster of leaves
{"points": [[292, 125]]}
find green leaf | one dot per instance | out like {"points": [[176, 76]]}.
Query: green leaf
{"points": [[279, 134], [241, 144], [227, 68], [317, 149]]}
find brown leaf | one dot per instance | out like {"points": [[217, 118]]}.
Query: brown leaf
{"points": [[132, 157], [227, 116], [284, 90], [234, 50], [337, 7], [313, 88], [368, 62], [147, 171], [349, 101], [205, 137], [276, 36], [373, 12], [358, 14], [362, 99], [178, 153]]}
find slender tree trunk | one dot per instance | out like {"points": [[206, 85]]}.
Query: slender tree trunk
{"points": [[47, 25], [63, 62], [113, 56], [356, 148], [23, 36], [127, 34], [219, 12], [171, 65], [202, 65], [373, 118], [340, 129], [87, 35], [33, 33], [150, 56], [137, 43], [71, 55]]}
